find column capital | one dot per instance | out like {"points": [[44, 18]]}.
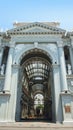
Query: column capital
{"points": [[12, 44], [8, 75], [60, 43]]}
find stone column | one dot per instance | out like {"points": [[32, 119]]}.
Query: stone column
{"points": [[1, 54], [8, 70], [71, 57], [62, 66], [11, 112], [56, 89]]}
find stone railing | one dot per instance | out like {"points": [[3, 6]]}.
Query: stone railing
{"points": [[70, 82]]}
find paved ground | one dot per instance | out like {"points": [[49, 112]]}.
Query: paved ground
{"points": [[34, 126]]}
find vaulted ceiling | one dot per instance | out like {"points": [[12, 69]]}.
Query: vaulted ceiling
{"points": [[37, 67]]}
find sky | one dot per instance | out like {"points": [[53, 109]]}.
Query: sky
{"points": [[36, 11]]}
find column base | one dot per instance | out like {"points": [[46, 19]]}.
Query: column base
{"points": [[65, 92], [7, 121], [5, 92], [68, 122]]}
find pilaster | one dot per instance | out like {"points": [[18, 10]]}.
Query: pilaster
{"points": [[12, 103], [1, 54], [56, 94], [62, 66], [71, 57], [9, 69]]}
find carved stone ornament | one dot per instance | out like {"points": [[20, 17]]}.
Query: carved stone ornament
{"points": [[35, 28]]}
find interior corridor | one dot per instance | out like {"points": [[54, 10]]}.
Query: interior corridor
{"points": [[36, 90]]}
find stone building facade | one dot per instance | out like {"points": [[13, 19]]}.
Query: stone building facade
{"points": [[36, 58]]}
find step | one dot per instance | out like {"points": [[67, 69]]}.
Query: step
{"points": [[34, 126]]}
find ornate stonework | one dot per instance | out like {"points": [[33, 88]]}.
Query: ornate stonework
{"points": [[37, 58], [35, 28]]}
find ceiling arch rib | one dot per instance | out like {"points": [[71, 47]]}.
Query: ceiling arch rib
{"points": [[36, 54], [37, 68]]}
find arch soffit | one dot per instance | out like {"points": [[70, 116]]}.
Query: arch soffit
{"points": [[19, 56]]}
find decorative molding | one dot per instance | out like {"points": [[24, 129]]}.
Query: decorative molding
{"points": [[70, 33], [60, 43], [53, 24], [6, 36], [55, 65], [5, 93], [15, 66], [33, 33], [65, 93], [35, 28]]}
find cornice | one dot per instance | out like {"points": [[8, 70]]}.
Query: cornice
{"points": [[34, 33], [1, 34], [5, 38], [36, 24], [54, 24], [70, 33], [23, 30]]}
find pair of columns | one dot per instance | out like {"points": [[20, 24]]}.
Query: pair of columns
{"points": [[62, 63]]}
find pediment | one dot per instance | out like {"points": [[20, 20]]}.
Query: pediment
{"points": [[35, 28]]}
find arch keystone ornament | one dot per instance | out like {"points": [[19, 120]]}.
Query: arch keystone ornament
{"points": [[35, 83]]}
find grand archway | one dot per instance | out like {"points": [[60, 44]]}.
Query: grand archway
{"points": [[35, 87]]}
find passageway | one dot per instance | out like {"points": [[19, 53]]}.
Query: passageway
{"points": [[36, 95]]}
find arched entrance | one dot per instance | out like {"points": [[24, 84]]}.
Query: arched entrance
{"points": [[34, 92]]}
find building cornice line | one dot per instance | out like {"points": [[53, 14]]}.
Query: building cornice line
{"points": [[33, 33]]}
